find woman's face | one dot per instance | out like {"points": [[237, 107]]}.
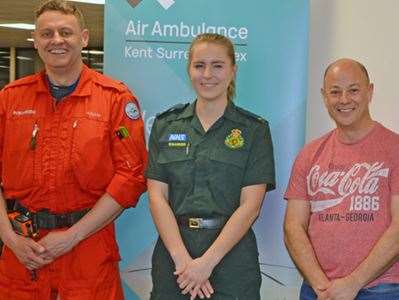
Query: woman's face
{"points": [[211, 71]]}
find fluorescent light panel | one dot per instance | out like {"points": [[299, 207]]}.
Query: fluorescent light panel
{"points": [[19, 26], [94, 52], [24, 58]]}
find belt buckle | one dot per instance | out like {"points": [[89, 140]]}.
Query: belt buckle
{"points": [[194, 222]]}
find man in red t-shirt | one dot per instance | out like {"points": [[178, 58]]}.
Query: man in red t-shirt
{"points": [[342, 219]]}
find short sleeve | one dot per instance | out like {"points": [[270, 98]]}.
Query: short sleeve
{"points": [[297, 185], [260, 165], [394, 176], [154, 169]]}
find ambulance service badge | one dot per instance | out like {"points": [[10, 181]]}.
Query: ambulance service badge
{"points": [[234, 140]]}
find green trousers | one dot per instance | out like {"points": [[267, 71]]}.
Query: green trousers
{"points": [[236, 277]]}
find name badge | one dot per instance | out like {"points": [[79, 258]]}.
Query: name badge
{"points": [[177, 140]]}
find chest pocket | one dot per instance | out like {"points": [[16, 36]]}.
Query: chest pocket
{"points": [[231, 152], [227, 174], [21, 163], [91, 153], [234, 159], [177, 163]]}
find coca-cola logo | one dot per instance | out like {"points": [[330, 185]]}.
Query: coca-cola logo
{"points": [[361, 178]]}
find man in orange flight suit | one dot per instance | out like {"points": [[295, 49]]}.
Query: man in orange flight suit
{"points": [[72, 152]]}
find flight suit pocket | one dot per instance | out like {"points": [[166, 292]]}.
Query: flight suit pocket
{"points": [[92, 258], [20, 156], [91, 154]]}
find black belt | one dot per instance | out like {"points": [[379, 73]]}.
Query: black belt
{"points": [[201, 223], [46, 220]]}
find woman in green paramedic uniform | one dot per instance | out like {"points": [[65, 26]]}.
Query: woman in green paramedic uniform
{"points": [[210, 166]]}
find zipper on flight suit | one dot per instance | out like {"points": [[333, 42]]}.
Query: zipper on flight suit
{"points": [[74, 126]]}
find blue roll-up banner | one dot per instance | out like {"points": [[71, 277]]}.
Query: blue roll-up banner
{"points": [[146, 43]]}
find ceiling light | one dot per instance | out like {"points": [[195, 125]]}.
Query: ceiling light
{"points": [[20, 57], [24, 58], [90, 1], [30, 39], [94, 52], [19, 26]]}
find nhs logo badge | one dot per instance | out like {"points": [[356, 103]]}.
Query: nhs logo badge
{"points": [[177, 137], [177, 140]]}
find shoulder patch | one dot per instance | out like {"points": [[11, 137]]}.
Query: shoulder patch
{"points": [[251, 115], [174, 109], [132, 111]]}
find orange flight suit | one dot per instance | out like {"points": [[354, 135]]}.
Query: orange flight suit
{"points": [[63, 157]]}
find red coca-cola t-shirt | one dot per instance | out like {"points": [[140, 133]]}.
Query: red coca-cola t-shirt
{"points": [[349, 187]]}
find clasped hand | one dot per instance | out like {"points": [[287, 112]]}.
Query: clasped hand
{"points": [[340, 289], [36, 254], [193, 277]]}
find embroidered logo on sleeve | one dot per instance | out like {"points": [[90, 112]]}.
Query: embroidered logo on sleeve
{"points": [[132, 111], [234, 140]]}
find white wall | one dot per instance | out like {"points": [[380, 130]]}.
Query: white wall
{"points": [[366, 30]]}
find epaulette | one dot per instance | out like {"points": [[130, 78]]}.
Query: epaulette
{"points": [[22, 81], [174, 109], [251, 115], [109, 82]]}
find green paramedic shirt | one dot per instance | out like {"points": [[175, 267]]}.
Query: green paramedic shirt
{"points": [[205, 171]]}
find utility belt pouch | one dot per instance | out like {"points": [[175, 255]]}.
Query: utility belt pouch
{"points": [[23, 224], [44, 219]]}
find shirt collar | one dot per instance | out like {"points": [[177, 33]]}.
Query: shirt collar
{"points": [[83, 88], [230, 112], [188, 112]]}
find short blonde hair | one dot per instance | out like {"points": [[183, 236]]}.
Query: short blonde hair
{"points": [[62, 6]]}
